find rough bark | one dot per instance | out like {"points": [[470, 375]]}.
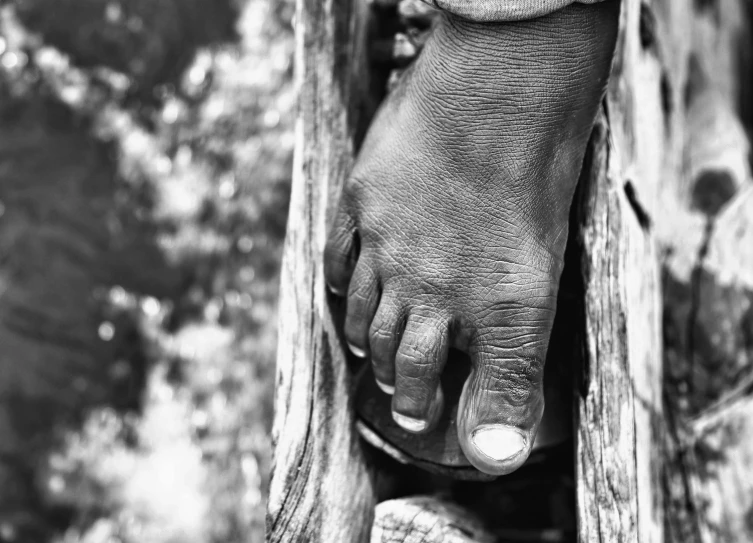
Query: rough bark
{"points": [[620, 393], [712, 444], [424, 519], [320, 489], [676, 121]]}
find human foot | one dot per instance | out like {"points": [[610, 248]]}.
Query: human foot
{"points": [[452, 228]]}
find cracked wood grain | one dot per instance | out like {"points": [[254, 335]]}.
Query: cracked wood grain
{"points": [[677, 135], [321, 489], [426, 520], [619, 409]]}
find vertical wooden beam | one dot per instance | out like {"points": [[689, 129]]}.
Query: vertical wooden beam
{"points": [[619, 433], [620, 392], [674, 152], [321, 489]]}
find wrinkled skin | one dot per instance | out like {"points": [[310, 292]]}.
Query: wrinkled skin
{"points": [[452, 228]]}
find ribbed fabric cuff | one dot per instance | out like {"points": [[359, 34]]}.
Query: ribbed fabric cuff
{"points": [[502, 10]]}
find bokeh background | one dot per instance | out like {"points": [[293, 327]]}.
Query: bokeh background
{"points": [[145, 156]]}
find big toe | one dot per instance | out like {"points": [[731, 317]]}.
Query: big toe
{"points": [[502, 400]]}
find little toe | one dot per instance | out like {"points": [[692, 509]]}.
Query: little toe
{"points": [[501, 405], [384, 339], [340, 253], [363, 300], [418, 401]]}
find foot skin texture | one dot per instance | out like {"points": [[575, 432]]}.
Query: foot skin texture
{"points": [[452, 228]]}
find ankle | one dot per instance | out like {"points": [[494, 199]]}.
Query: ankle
{"points": [[567, 51]]}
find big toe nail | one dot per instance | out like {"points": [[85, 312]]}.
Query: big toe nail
{"points": [[499, 442], [501, 406]]}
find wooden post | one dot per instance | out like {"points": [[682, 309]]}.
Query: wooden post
{"points": [[320, 490], [669, 199], [619, 412]]}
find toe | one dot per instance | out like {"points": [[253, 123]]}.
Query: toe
{"points": [[502, 400], [384, 339], [363, 300], [340, 253], [418, 399]]}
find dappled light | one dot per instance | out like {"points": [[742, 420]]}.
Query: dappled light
{"points": [[150, 148]]}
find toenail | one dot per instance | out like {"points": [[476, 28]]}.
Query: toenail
{"points": [[499, 442], [336, 291], [387, 389], [439, 398], [409, 423], [360, 353], [437, 405]]}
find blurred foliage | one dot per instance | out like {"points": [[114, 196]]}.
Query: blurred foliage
{"points": [[150, 41], [189, 106]]}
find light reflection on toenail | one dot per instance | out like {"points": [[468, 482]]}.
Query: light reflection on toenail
{"points": [[360, 353], [336, 291], [409, 423], [387, 389], [439, 398], [437, 405], [499, 442]]}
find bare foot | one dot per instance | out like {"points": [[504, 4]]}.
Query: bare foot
{"points": [[452, 228]]}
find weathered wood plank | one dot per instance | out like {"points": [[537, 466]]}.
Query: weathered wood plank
{"points": [[618, 462], [320, 489], [722, 485], [676, 131], [426, 520], [719, 446], [620, 397]]}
